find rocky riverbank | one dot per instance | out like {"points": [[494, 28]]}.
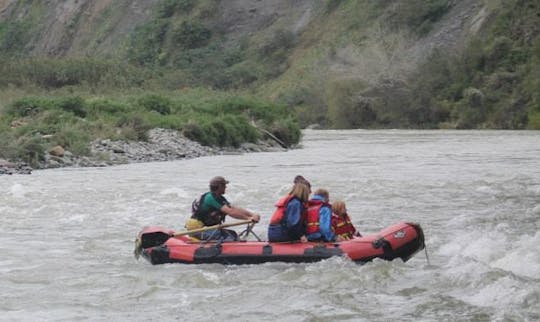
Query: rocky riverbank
{"points": [[162, 145]]}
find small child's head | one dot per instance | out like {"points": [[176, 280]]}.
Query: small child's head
{"points": [[339, 208], [323, 193]]}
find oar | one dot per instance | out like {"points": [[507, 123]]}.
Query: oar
{"points": [[157, 238]]}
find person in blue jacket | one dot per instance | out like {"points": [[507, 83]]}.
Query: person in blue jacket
{"points": [[288, 221], [319, 217]]}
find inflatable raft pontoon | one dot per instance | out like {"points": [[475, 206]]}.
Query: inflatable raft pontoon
{"points": [[160, 245]]}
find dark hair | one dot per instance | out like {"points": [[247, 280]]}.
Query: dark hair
{"points": [[301, 179]]}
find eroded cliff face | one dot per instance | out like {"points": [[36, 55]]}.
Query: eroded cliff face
{"points": [[86, 27], [78, 27]]}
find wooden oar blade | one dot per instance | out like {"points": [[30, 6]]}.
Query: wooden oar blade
{"points": [[155, 236]]}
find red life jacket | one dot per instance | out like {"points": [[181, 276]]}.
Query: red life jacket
{"points": [[279, 213], [312, 219], [342, 226]]}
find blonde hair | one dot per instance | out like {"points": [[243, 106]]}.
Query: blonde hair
{"points": [[339, 208], [301, 191]]}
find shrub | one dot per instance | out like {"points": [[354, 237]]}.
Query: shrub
{"points": [[194, 131], [191, 35], [287, 131], [74, 104], [106, 106], [146, 42], [133, 127], [27, 106], [346, 108], [534, 121], [280, 39], [13, 37], [167, 8], [30, 149], [156, 103], [74, 139]]}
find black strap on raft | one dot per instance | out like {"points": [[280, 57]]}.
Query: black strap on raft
{"points": [[248, 231]]}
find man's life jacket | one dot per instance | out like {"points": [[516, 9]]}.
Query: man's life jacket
{"points": [[281, 208], [211, 218], [312, 220], [343, 226]]}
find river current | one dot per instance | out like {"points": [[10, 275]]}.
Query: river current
{"points": [[66, 235]]}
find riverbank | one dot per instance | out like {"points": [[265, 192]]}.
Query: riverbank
{"points": [[162, 145]]}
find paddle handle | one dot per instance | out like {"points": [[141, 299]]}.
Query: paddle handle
{"points": [[220, 226]]}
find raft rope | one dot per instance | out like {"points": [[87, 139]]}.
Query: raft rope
{"points": [[427, 257]]}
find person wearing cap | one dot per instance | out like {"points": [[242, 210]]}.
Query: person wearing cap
{"points": [[212, 208]]}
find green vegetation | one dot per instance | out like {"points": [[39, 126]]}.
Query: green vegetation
{"points": [[494, 83], [347, 69], [31, 125]]}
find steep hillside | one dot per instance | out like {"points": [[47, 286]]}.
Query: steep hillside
{"points": [[74, 28], [338, 63]]}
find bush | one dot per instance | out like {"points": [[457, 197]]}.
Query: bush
{"points": [[156, 103], [30, 149], [225, 130], [346, 108], [281, 39], [191, 35], [74, 104], [287, 131], [133, 127], [13, 37], [106, 106], [534, 121], [74, 139], [146, 42], [195, 132], [50, 73], [27, 106], [167, 8]]}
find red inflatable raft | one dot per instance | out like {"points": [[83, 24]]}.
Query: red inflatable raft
{"points": [[158, 245]]}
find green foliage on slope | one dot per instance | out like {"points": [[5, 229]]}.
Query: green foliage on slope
{"points": [[351, 66], [494, 83]]}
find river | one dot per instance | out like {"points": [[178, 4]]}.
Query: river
{"points": [[66, 235]]}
